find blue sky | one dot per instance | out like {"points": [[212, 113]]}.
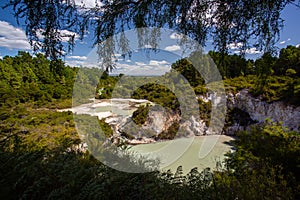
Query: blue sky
{"points": [[13, 39]]}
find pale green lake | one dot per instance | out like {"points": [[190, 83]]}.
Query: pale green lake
{"points": [[199, 151]]}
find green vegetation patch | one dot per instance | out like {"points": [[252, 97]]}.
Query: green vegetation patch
{"points": [[28, 129], [140, 115], [269, 89], [158, 94]]}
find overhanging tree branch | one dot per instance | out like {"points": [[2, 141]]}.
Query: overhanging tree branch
{"points": [[251, 23]]}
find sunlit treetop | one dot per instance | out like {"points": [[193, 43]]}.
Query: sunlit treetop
{"points": [[250, 23]]}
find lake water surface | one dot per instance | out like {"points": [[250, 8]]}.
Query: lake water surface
{"points": [[200, 152]]}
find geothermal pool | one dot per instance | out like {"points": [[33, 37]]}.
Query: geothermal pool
{"points": [[200, 152]]}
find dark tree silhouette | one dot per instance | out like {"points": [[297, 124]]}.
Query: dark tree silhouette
{"points": [[230, 21]]}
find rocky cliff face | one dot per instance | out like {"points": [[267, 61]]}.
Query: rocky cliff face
{"points": [[194, 126], [259, 110], [161, 124], [158, 121], [243, 109]]}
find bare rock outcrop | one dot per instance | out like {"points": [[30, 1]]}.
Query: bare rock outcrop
{"points": [[259, 110]]}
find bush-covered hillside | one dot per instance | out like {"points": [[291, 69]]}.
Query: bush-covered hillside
{"points": [[39, 152]]}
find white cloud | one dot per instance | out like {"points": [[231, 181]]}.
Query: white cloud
{"points": [[148, 46], [12, 37], [84, 63], [77, 57], [140, 63], [158, 63], [151, 63], [118, 55], [252, 50], [234, 46], [87, 3], [14, 44], [65, 34], [172, 48], [74, 63], [282, 42], [298, 45], [285, 41], [175, 36], [140, 68], [10, 31]]}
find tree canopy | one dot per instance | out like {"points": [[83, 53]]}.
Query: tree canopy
{"points": [[251, 23]]}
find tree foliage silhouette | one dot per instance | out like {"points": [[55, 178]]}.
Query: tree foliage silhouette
{"points": [[233, 21]]}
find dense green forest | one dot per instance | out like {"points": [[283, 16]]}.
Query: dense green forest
{"points": [[39, 153], [34, 79]]}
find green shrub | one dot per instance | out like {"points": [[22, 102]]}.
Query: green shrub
{"points": [[140, 115]]}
